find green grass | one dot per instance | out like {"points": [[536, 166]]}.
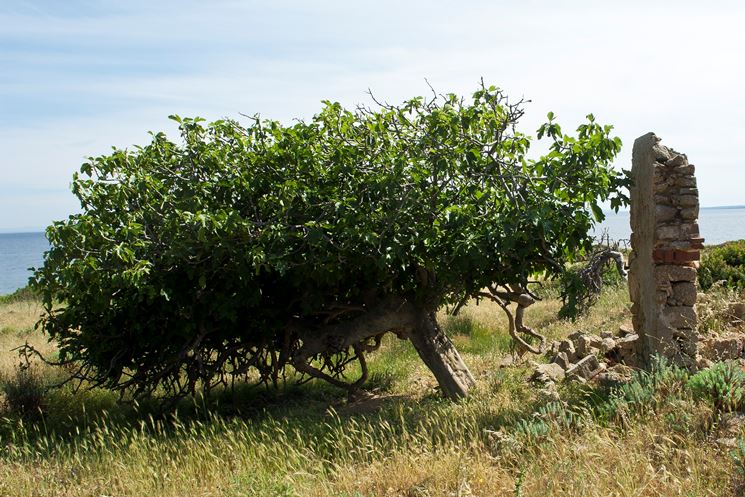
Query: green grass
{"points": [[650, 437]]}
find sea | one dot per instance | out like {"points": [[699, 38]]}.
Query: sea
{"points": [[716, 224], [19, 252]]}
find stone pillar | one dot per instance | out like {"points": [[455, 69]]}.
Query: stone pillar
{"points": [[665, 245]]}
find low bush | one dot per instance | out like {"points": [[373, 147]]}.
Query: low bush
{"points": [[25, 392], [723, 384], [21, 295], [724, 263]]}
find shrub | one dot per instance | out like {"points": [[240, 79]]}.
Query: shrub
{"points": [[24, 294], [723, 384], [724, 263], [25, 391], [243, 250]]}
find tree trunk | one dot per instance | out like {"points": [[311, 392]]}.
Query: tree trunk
{"points": [[441, 357]]}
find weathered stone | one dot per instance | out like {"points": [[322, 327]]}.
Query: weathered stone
{"points": [[688, 200], [562, 360], [587, 344], [607, 344], [643, 202], [665, 213], [689, 229], [625, 350], [688, 191], [625, 330], [685, 293], [686, 181], [681, 244], [586, 368], [663, 200], [703, 363], [722, 348], [675, 273], [663, 182], [669, 232], [660, 153], [595, 341], [679, 317], [567, 346], [545, 373], [632, 240], [677, 160], [606, 334], [628, 342], [618, 373], [663, 296], [689, 213], [548, 394], [732, 423], [688, 170]]}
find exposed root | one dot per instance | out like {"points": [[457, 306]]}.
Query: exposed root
{"points": [[592, 274], [523, 299]]}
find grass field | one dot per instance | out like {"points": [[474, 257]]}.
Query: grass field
{"points": [[650, 437]]}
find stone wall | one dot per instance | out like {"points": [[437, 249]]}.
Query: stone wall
{"points": [[665, 246]]}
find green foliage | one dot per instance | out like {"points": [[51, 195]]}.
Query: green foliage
{"points": [[24, 294], [723, 384], [553, 416], [645, 389], [198, 262], [725, 263], [574, 294]]}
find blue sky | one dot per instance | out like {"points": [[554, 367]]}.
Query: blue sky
{"points": [[78, 77]]}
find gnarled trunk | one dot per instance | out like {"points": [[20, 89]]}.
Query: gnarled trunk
{"points": [[394, 315], [441, 357]]}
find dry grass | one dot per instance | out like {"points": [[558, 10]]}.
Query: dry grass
{"points": [[17, 320], [403, 441], [715, 312], [19, 316], [641, 462]]}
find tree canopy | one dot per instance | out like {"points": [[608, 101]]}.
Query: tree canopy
{"points": [[242, 249]]}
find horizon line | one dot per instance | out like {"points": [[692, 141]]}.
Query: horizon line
{"points": [[28, 230]]}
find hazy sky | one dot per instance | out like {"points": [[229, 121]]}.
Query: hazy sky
{"points": [[78, 77]]}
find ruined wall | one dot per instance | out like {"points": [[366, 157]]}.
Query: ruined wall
{"points": [[665, 246]]}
